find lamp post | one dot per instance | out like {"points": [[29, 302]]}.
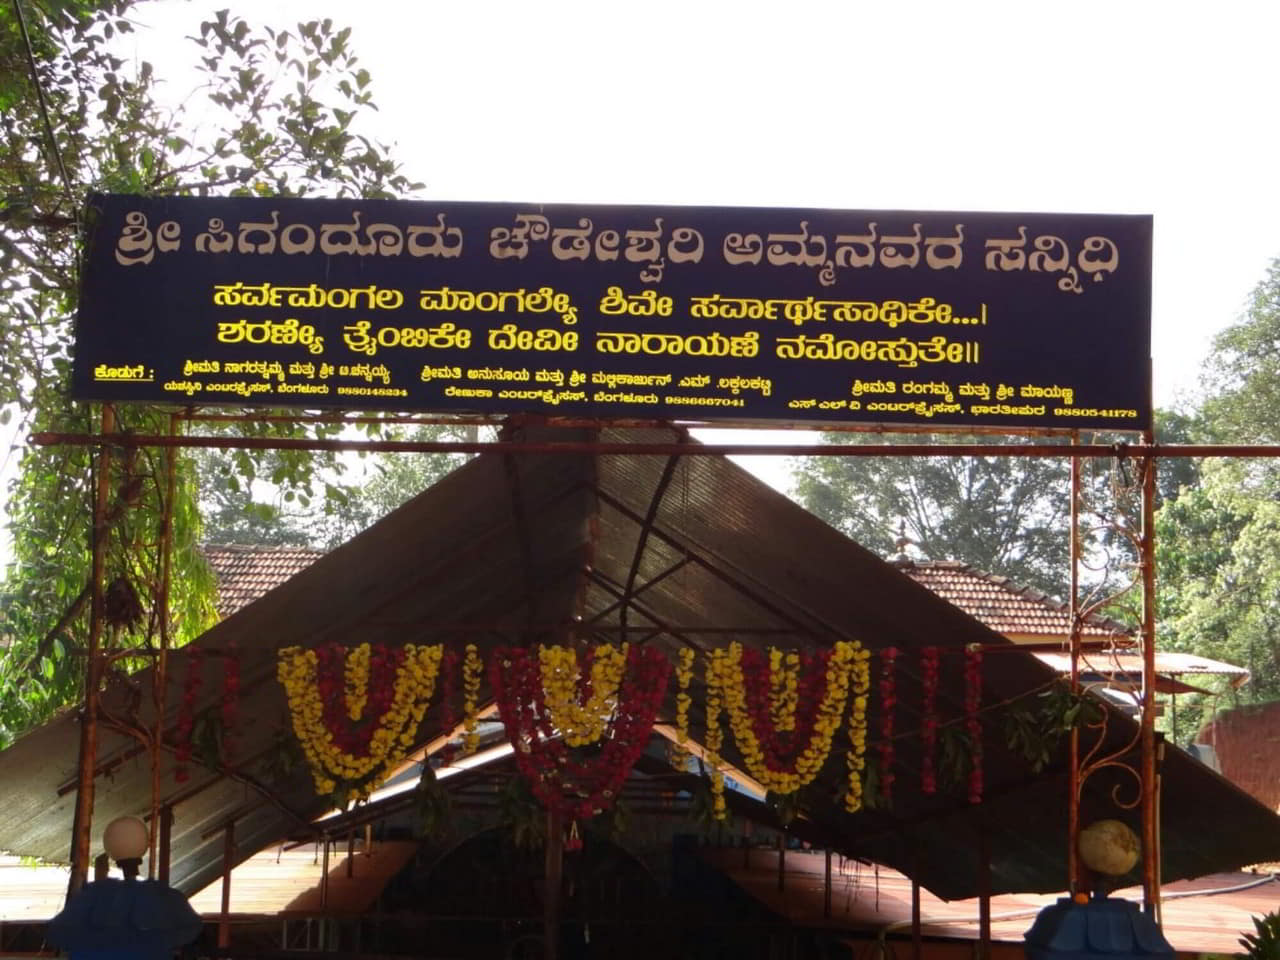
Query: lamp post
{"points": [[127, 919], [1080, 926]]}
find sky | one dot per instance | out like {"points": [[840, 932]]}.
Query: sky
{"points": [[1154, 108], [1097, 107]]}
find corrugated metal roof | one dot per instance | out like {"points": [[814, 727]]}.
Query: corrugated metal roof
{"points": [[1109, 663], [521, 547]]}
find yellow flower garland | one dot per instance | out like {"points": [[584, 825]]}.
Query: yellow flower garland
{"points": [[472, 671], [684, 676], [715, 736], [581, 724], [727, 669], [357, 680], [396, 729], [855, 759]]}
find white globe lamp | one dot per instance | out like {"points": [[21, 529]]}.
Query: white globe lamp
{"points": [[125, 841]]}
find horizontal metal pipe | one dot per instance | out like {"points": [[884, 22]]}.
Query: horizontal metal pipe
{"points": [[664, 449]]}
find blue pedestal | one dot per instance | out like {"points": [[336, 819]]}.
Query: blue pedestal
{"points": [[1115, 929], [124, 920]]}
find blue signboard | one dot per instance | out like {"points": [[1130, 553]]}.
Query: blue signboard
{"points": [[683, 313]]}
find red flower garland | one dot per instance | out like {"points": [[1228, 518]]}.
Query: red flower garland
{"points": [[187, 716], [929, 723], [576, 788], [973, 723], [781, 747], [888, 699], [448, 719], [230, 703], [331, 666]]}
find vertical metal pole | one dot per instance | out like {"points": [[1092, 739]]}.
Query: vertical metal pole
{"points": [[228, 858], [324, 875], [160, 673], [1150, 834], [917, 940], [782, 862], [826, 887], [82, 824], [984, 894], [1074, 880], [553, 880], [166, 833], [351, 852]]}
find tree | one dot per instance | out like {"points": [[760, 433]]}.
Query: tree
{"points": [[1219, 542], [1004, 515], [1242, 374], [332, 508], [282, 118]]}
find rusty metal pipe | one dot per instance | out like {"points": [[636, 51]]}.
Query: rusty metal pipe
{"points": [[666, 449], [82, 824]]}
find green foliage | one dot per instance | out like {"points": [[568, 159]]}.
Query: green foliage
{"points": [[278, 112], [1218, 542], [1035, 731], [1242, 374], [522, 814], [432, 804], [1004, 515], [1264, 942]]}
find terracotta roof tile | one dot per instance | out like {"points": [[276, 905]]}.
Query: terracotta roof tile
{"points": [[245, 573], [1004, 606]]}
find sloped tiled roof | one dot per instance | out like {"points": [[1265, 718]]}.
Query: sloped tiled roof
{"points": [[1005, 607], [245, 573]]}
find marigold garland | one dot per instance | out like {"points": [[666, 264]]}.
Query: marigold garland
{"points": [[357, 681], [574, 785], [472, 671], [580, 701], [684, 676], [400, 684], [783, 729], [855, 759], [714, 739]]}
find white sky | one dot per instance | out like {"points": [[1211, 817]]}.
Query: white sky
{"points": [[1164, 108]]}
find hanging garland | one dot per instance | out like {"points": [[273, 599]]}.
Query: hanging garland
{"points": [[784, 709], [929, 658], [448, 720], [187, 716], [535, 695], [684, 676], [579, 703], [714, 739], [472, 671], [856, 759], [393, 687], [973, 720], [230, 705], [888, 700]]}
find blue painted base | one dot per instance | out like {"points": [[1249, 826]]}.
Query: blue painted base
{"points": [[1114, 929], [124, 920]]}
